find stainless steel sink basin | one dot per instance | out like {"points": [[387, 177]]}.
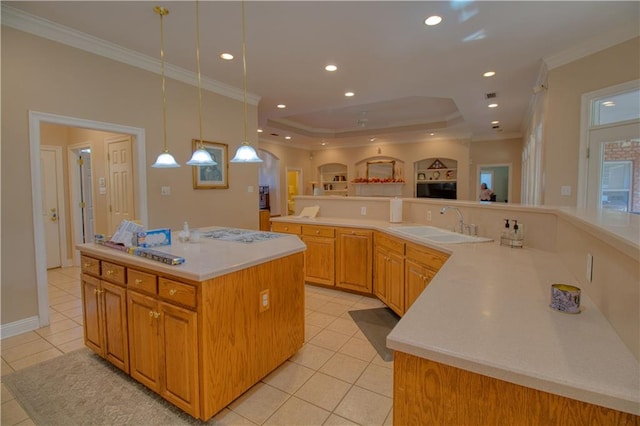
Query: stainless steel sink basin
{"points": [[438, 235]]}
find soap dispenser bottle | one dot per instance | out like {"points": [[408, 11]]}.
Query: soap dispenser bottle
{"points": [[184, 234], [506, 231]]}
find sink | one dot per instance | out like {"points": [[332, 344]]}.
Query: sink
{"points": [[438, 235]]}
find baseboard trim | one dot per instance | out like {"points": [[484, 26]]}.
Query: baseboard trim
{"points": [[19, 327]]}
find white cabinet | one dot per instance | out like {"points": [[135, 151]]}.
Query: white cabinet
{"points": [[333, 178]]}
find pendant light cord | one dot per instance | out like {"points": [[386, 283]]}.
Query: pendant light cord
{"points": [[162, 11], [200, 144], [244, 74]]}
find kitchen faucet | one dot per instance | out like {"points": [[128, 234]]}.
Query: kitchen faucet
{"points": [[460, 227]]}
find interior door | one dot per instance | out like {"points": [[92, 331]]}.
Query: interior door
{"points": [[86, 197], [121, 205], [49, 164], [599, 141]]}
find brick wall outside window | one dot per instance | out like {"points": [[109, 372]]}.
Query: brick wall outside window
{"points": [[627, 151]]}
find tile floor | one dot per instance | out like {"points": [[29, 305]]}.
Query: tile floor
{"points": [[337, 378]]}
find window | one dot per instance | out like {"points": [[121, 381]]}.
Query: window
{"points": [[617, 108], [616, 185]]}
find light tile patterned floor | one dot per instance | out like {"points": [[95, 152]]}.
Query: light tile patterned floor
{"points": [[337, 378]]}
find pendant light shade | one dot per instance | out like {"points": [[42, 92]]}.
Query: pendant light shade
{"points": [[165, 159], [245, 153], [200, 156]]}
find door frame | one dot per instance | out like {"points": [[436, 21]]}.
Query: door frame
{"points": [[35, 120], [60, 199], [299, 183], [586, 101], [509, 167]]}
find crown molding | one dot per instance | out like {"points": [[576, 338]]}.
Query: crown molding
{"points": [[31, 24], [618, 35]]}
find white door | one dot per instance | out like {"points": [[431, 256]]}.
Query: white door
{"points": [[50, 165], [86, 196], [121, 205], [599, 139]]}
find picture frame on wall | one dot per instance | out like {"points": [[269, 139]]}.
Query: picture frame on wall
{"points": [[212, 177]]}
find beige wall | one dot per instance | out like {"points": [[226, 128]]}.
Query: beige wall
{"points": [[406, 153], [618, 64], [505, 151], [44, 76]]}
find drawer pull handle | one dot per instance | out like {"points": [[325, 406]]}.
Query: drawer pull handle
{"points": [[87, 265], [286, 228], [110, 272], [138, 281], [317, 231], [172, 292], [156, 314]]}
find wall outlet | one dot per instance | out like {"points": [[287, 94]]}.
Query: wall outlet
{"points": [[165, 190], [265, 301], [363, 210], [250, 188], [428, 215], [565, 190], [589, 267]]}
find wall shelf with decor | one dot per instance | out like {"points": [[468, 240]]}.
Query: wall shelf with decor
{"points": [[437, 170], [333, 178]]}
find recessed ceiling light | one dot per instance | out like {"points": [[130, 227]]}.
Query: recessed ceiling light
{"points": [[323, 143], [492, 105], [489, 74], [287, 137], [609, 103], [495, 122], [349, 94], [432, 134], [226, 56], [282, 106], [259, 130], [433, 20], [331, 67], [372, 139]]}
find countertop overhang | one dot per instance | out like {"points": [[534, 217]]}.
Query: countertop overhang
{"points": [[487, 311], [208, 258]]}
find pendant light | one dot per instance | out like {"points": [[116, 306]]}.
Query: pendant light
{"points": [[165, 159], [245, 153], [200, 156]]}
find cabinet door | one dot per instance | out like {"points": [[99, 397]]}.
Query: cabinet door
{"points": [[179, 363], [380, 274], [319, 263], [114, 309], [355, 260], [395, 282], [144, 345], [91, 314], [417, 278]]}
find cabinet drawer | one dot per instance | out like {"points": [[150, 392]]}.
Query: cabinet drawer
{"points": [[428, 257], [287, 228], [114, 273], [173, 291], [390, 243], [318, 231], [142, 281], [90, 265]]}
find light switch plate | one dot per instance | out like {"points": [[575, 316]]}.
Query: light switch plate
{"points": [[165, 190], [565, 190]]}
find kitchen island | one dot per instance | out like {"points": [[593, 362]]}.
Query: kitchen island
{"points": [[481, 345], [201, 333]]}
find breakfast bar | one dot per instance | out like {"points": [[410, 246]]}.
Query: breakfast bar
{"points": [[203, 332]]}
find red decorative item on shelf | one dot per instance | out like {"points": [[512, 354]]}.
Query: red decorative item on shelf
{"points": [[378, 180]]}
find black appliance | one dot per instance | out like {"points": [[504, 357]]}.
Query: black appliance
{"points": [[264, 197], [437, 190]]}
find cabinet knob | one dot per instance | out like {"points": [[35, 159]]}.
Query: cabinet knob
{"points": [[138, 281], [151, 313], [87, 265], [156, 314], [172, 292], [317, 231], [286, 228]]}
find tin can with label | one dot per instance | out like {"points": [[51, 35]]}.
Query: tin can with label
{"points": [[565, 298]]}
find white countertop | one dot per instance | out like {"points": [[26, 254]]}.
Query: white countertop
{"points": [[207, 258], [487, 311]]}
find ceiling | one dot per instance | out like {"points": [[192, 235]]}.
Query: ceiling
{"points": [[411, 82]]}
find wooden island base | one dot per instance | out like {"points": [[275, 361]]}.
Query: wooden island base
{"points": [[429, 393], [198, 344]]}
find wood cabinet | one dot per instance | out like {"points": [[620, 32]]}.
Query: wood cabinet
{"points": [[104, 313], [164, 350], [265, 220], [421, 264], [198, 344], [319, 259], [354, 260], [389, 279]]}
